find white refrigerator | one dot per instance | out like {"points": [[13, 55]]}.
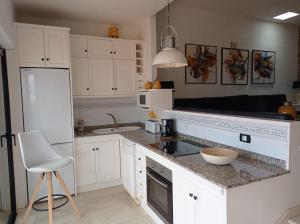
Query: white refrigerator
{"points": [[47, 106]]}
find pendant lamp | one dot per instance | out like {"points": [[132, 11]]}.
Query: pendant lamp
{"points": [[169, 56]]}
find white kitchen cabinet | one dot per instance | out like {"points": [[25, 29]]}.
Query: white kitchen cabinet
{"points": [[100, 48], [128, 166], [43, 46], [108, 160], [97, 164], [85, 164], [56, 48], [79, 47], [31, 46], [124, 77], [112, 66], [194, 203], [80, 77], [124, 50], [102, 80], [140, 175]]}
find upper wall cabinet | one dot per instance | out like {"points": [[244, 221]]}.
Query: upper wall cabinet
{"points": [[102, 48], [104, 67], [43, 46]]}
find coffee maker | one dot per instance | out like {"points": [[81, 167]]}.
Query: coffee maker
{"points": [[167, 127]]}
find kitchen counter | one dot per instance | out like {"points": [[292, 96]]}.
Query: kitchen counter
{"points": [[244, 170]]}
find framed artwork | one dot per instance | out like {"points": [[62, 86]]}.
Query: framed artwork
{"points": [[235, 66], [263, 67], [202, 64]]}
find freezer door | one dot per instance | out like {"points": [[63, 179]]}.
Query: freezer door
{"points": [[46, 97], [67, 173]]}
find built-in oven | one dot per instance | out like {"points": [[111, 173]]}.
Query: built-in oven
{"points": [[159, 190]]}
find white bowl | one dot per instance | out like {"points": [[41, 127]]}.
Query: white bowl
{"points": [[219, 156]]}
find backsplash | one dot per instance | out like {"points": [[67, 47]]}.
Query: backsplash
{"points": [[266, 137], [94, 111]]}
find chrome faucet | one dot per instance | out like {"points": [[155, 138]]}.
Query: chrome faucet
{"points": [[114, 118]]}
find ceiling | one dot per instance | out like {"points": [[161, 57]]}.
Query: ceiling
{"points": [[130, 12], [258, 9], [118, 12]]}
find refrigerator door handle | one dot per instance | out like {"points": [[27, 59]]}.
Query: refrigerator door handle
{"points": [[13, 136], [1, 139]]}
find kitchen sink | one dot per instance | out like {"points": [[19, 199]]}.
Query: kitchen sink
{"points": [[116, 130]]}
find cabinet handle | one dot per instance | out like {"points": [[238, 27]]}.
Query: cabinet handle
{"points": [[139, 158], [110, 52], [191, 195], [97, 149], [87, 89], [93, 149], [85, 50], [195, 198], [140, 171], [48, 59], [116, 88], [114, 52], [43, 59]]}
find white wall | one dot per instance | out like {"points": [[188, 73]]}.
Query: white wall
{"points": [[93, 111], [6, 21], [84, 28], [203, 27]]}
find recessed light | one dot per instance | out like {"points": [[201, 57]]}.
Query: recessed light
{"points": [[286, 15]]}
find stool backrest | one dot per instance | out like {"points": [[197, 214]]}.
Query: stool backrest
{"points": [[35, 148]]}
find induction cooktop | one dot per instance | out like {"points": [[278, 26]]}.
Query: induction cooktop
{"points": [[179, 147]]}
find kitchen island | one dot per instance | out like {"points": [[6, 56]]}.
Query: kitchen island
{"points": [[219, 192]]}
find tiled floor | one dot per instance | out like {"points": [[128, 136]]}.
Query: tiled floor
{"points": [[4, 217], [105, 206]]}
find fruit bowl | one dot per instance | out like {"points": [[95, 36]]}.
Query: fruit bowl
{"points": [[218, 156]]}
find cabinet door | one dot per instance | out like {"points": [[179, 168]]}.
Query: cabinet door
{"points": [[210, 207], [78, 47], [124, 50], [31, 47], [80, 76], [128, 167], [85, 165], [100, 48], [125, 77], [184, 206], [108, 161], [101, 77], [57, 48]]}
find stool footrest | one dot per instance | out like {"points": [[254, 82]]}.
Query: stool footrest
{"points": [[40, 200]]}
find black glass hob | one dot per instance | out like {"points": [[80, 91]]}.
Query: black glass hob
{"points": [[178, 148]]}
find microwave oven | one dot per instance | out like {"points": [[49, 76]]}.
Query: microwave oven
{"points": [[155, 99], [143, 99]]}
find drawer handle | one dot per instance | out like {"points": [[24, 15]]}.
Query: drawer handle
{"points": [[140, 171], [43, 59], [139, 158]]}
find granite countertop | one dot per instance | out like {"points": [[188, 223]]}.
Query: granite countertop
{"points": [[244, 170]]}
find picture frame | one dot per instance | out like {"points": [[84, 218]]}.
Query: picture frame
{"points": [[202, 64], [263, 67], [234, 66]]}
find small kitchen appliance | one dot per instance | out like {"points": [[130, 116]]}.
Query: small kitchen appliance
{"points": [[152, 126], [167, 127]]}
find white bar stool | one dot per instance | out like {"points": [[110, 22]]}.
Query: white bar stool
{"points": [[39, 157]]}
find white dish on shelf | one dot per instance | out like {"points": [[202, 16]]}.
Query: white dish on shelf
{"points": [[218, 156]]}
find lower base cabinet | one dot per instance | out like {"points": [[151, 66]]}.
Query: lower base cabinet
{"points": [[194, 203], [128, 166], [97, 162]]}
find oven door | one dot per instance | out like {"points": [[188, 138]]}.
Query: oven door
{"points": [[143, 100], [159, 195]]}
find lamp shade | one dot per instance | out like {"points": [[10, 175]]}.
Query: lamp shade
{"points": [[169, 58]]}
